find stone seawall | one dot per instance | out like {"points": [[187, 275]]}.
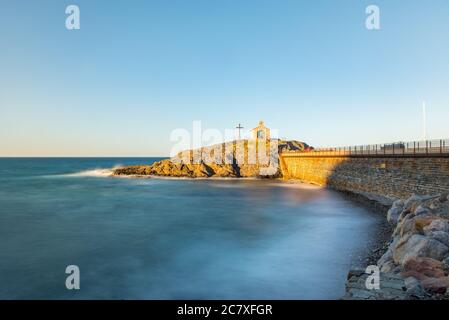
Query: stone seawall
{"points": [[388, 176]]}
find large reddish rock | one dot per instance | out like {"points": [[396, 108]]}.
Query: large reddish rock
{"points": [[436, 285], [422, 268]]}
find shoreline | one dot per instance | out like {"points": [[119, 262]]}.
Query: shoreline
{"points": [[378, 244]]}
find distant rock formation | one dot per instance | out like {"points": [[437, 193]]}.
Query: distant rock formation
{"points": [[242, 158]]}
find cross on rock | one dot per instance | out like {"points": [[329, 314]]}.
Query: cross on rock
{"points": [[239, 127]]}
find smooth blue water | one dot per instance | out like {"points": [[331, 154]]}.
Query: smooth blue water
{"points": [[170, 239]]}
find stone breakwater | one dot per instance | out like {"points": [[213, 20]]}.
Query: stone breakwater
{"points": [[234, 161], [416, 263], [393, 177]]}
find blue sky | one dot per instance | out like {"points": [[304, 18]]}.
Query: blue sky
{"points": [[136, 70]]}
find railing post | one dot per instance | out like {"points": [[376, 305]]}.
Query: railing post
{"points": [[441, 146], [427, 147]]}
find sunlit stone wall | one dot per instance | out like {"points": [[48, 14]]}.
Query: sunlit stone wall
{"points": [[396, 177]]}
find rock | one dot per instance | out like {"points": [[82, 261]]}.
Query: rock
{"points": [[441, 236], [407, 227], [414, 288], [388, 267], [355, 273], [413, 201], [445, 265], [442, 210], [419, 250], [421, 222], [422, 268], [437, 225], [392, 287], [422, 210], [406, 213], [397, 270], [436, 285], [220, 160], [387, 256], [393, 214], [398, 203], [444, 197], [418, 246]]}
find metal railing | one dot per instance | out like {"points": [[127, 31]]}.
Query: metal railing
{"points": [[425, 147]]}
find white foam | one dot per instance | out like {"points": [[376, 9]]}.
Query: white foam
{"points": [[92, 173], [98, 172]]}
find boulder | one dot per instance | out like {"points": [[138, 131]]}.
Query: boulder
{"points": [[436, 285], [441, 236], [393, 214], [422, 210], [392, 287], [418, 246], [412, 224], [445, 265], [414, 288], [413, 201], [405, 228], [421, 222], [387, 256], [444, 197], [422, 268], [442, 210], [406, 213], [437, 225]]}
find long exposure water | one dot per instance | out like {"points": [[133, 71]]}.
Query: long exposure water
{"points": [[135, 238]]}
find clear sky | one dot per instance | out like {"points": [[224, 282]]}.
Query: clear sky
{"points": [[136, 70]]}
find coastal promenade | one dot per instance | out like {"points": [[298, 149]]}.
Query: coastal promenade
{"points": [[395, 170]]}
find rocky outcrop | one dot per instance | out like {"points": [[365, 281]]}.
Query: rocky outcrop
{"points": [[223, 160]]}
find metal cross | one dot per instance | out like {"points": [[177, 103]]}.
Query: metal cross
{"points": [[239, 127]]}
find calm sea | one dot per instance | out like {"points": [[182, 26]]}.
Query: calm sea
{"points": [[170, 239]]}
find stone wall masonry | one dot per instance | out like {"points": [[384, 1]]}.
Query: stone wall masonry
{"points": [[388, 176]]}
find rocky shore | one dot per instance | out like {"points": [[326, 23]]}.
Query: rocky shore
{"points": [[415, 262], [228, 166]]}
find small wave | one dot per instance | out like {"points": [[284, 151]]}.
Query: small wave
{"points": [[92, 173], [99, 172]]}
